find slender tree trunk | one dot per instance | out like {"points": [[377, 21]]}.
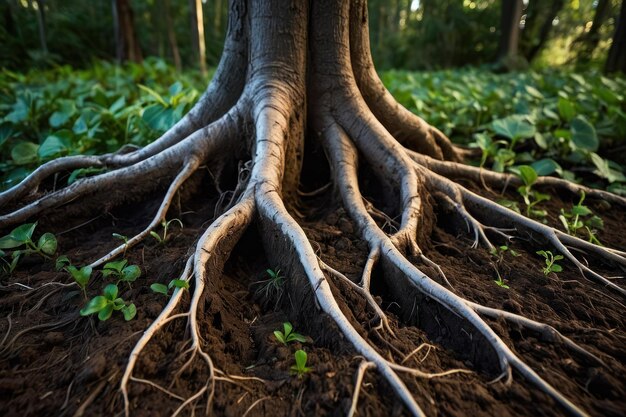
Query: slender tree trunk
{"points": [[587, 42], [616, 61], [509, 28], [171, 36], [197, 33], [127, 45], [539, 17], [41, 23]]}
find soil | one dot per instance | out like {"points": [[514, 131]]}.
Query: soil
{"points": [[56, 363]]}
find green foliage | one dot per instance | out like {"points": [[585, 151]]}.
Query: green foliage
{"points": [[165, 289], [498, 253], [81, 276], [121, 271], [21, 243], [559, 123], [500, 281], [271, 288], [300, 367], [165, 225], [288, 335], [107, 303], [531, 197], [60, 112], [550, 260]]}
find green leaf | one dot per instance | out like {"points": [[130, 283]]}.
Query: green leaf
{"points": [[61, 116], [546, 166], [527, 174], [158, 117], [106, 312], [131, 273], [24, 153], [110, 292], [129, 312], [24, 232], [556, 268], [513, 127], [566, 109], [47, 243], [114, 267], [94, 305], [581, 210], [298, 337], [301, 358], [61, 262], [288, 328], [8, 242], [154, 94], [178, 283], [53, 145], [584, 134], [159, 288], [279, 336], [82, 275]]}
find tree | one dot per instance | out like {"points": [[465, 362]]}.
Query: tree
{"points": [[286, 67], [588, 40], [126, 43], [539, 18], [510, 16], [197, 33], [616, 61]]}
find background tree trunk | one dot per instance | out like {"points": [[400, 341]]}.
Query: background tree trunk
{"points": [[197, 33], [588, 41], [539, 17], [616, 60], [127, 45], [41, 23], [171, 36]]}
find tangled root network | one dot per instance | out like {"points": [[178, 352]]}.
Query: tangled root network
{"points": [[293, 73]]}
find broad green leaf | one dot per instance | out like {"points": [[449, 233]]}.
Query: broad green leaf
{"points": [[566, 109], [584, 135], [53, 145], [546, 166], [8, 242], [279, 336], [556, 267], [110, 292], [154, 94], [178, 283], [106, 312], [24, 153], [527, 174], [24, 232], [581, 210], [117, 266], [61, 116], [94, 305], [159, 288], [47, 243], [82, 275], [131, 273], [129, 312], [158, 117], [513, 127], [288, 328]]}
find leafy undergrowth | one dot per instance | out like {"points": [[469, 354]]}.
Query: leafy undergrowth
{"points": [[563, 124]]}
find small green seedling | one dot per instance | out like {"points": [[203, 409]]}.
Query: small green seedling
{"points": [[165, 225], [20, 241], [61, 262], [288, 335], [531, 197], [300, 367], [81, 276], [499, 251], [121, 271], [551, 265], [578, 218], [272, 287], [107, 303], [500, 281], [165, 289]]}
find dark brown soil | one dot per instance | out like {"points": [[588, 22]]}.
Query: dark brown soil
{"points": [[56, 363]]}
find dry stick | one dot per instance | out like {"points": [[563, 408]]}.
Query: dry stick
{"points": [[545, 330], [343, 157], [363, 366], [496, 179], [188, 169]]}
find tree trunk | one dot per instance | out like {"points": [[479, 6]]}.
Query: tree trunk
{"points": [[197, 33], [509, 29], [297, 82], [171, 36], [41, 23], [127, 45], [588, 41], [616, 60], [539, 17]]}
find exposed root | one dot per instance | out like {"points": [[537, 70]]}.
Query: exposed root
{"points": [[454, 170], [360, 373]]}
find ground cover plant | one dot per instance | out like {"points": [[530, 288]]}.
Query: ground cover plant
{"points": [[364, 230]]}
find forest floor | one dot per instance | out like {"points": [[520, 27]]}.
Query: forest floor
{"points": [[55, 362]]}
